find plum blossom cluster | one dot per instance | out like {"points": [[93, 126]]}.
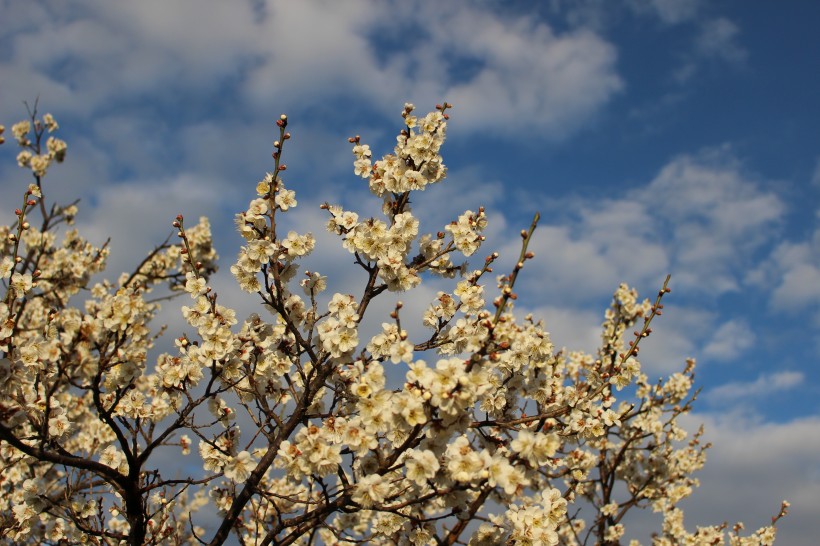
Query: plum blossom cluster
{"points": [[307, 426], [415, 162], [32, 155]]}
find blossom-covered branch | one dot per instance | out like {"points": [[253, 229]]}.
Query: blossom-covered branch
{"points": [[307, 430]]}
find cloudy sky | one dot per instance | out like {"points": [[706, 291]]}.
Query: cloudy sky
{"points": [[654, 136]]}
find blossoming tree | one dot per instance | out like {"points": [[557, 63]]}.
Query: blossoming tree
{"points": [[490, 437]]}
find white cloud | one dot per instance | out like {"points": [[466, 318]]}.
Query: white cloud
{"points": [[674, 338], [584, 13], [729, 341], [701, 218], [766, 384], [91, 54], [520, 71], [571, 328], [791, 273], [603, 13], [668, 11], [751, 467], [138, 216], [676, 335], [718, 39], [717, 216], [572, 268], [559, 81], [305, 54], [800, 287]]}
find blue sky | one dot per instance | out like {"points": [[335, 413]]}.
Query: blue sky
{"points": [[654, 136]]}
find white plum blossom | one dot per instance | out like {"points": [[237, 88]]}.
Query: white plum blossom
{"points": [[357, 425]]}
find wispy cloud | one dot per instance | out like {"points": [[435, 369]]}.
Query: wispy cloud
{"points": [[729, 340], [702, 218], [765, 384], [669, 11], [716, 41], [791, 274], [602, 13]]}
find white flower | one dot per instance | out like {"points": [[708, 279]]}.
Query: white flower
{"points": [[298, 245], [314, 284], [286, 199], [21, 283], [24, 158], [20, 130], [370, 491], [195, 286], [115, 459], [239, 468], [421, 466], [6, 267], [39, 164], [57, 426], [51, 124], [30, 354]]}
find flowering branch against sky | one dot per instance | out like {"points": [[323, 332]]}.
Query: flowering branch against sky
{"points": [[653, 136]]}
